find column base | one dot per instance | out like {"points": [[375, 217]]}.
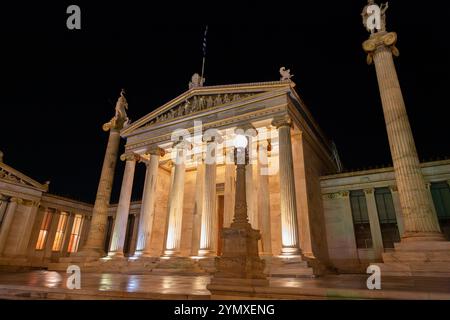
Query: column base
{"points": [[142, 255], [170, 253], [290, 252], [115, 255], [206, 253]]}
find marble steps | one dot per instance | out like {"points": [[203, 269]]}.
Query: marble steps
{"points": [[418, 258], [178, 265], [288, 267], [416, 269], [207, 264], [415, 256]]}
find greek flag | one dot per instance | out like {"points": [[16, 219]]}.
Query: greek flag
{"points": [[204, 41]]}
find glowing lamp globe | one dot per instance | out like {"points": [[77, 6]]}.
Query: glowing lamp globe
{"points": [[240, 141]]}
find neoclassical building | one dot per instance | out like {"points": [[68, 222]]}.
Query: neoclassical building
{"points": [[313, 218]]}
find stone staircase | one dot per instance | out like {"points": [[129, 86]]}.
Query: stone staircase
{"points": [[422, 259], [295, 267]]}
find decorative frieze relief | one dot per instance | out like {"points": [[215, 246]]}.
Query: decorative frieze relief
{"points": [[198, 103], [337, 195], [12, 177]]}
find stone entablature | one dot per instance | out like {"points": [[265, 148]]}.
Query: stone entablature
{"points": [[377, 178], [66, 204]]}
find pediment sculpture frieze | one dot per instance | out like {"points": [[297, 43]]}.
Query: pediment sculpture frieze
{"points": [[198, 103]]}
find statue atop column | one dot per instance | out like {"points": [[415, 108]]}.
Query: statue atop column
{"points": [[374, 16], [196, 81], [120, 119]]}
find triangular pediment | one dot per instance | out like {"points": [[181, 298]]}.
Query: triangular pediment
{"points": [[201, 99], [11, 175]]}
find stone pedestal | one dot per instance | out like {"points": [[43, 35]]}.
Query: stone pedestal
{"points": [[240, 259], [240, 262]]}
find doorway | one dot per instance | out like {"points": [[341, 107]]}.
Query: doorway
{"points": [[220, 211]]}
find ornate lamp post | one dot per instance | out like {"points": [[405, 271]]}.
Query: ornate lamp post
{"points": [[240, 262]]}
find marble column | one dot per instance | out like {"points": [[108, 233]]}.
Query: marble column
{"points": [[123, 207], [7, 221], [398, 209], [419, 220], [263, 198], [288, 206], [229, 192], [176, 197], [3, 205], [147, 214], [27, 229], [94, 246], [375, 229], [207, 234], [197, 215]]}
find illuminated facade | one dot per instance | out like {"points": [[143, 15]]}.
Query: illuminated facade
{"points": [[312, 219]]}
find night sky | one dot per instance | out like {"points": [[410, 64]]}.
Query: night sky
{"points": [[59, 86]]}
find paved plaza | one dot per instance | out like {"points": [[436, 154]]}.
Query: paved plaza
{"points": [[52, 285]]}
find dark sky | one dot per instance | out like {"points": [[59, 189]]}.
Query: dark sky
{"points": [[60, 86]]}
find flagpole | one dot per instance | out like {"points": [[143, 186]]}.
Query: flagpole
{"points": [[204, 52], [203, 66]]}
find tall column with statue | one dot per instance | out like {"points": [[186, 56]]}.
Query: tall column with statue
{"points": [[421, 227], [94, 246]]}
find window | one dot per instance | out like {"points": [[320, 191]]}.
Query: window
{"points": [[109, 229], [45, 226], [441, 198], [387, 217], [360, 219], [75, 233], [59, 236]]}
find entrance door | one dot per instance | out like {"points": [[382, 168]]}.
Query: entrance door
{"points": [[129, 235], [220, 210]]}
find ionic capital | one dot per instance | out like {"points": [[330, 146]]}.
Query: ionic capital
{"points": [[369, 190], [265, 145], [182, 144], [285, 121], [130, 157], [380, 40], [16, 200], [393, 188], [31, 203], [156, 151]]}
